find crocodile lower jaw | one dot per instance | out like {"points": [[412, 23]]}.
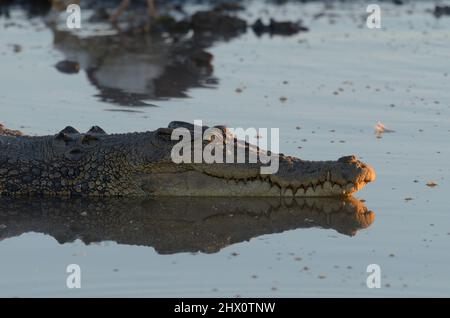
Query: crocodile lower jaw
{"points": [[196, 184]]}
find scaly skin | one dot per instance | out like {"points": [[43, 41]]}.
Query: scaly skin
{"points": [[140, 164]]}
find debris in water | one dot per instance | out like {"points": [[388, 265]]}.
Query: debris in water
{"points": [[432, 184], [380, 129]]}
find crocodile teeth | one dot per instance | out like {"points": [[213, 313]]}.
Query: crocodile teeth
{"points": [[337, 189], [310, 191], [327, 186], [275, 190], [266, 187], [320, 191], [300, 192]]}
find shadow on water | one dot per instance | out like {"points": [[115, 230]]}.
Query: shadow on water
{"points": [[177, 225]]}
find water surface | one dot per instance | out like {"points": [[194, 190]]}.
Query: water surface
{"points": [[337, 81]]}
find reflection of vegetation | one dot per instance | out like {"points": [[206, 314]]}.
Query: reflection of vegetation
{"points": [[132, 67], [175, 225], [31, 7], [129, 69]]}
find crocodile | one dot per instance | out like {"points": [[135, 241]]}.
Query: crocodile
{"points": [[98, 164], [177, 225]]}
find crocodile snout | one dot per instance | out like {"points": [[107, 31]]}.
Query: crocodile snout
{"points": [[370, 174]]}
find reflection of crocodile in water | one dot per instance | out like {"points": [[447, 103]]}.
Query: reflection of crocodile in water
{"points": [[129, 69], [177, 225], [141, 164]]}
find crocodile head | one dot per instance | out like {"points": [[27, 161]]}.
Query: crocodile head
{"points": [[294, 178]]}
